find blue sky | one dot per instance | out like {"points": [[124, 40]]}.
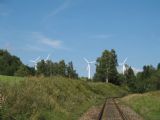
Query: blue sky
{"points": [[73, 29]]}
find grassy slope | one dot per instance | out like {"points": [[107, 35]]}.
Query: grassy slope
{"points": [[52, 98], [148, 104]]}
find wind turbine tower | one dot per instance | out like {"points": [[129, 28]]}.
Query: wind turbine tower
{"points": [[89, 67], [123, 65], [35, 62]]}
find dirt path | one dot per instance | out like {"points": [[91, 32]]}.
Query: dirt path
{"points": [[112, 113], [1, 100]]}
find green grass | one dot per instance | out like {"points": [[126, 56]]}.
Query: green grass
{"points": [[11, 79], [55, 98], [147, 105]]}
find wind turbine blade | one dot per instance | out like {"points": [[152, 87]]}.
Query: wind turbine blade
{"points": [[125, 61], [86, 60], [47, 57], [37, 59]]}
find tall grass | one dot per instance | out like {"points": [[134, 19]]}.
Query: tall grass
{"points": [[54, 98], [11, 79], [148, 104]]}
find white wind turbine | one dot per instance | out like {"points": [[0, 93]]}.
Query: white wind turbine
{"points": [[89, 67], [35, 62], [47, 58], [123, 65]]}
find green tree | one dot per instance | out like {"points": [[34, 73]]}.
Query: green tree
{"points": [[41, 68], [147, 71], [146, 79], [22, 71], [8, 64], [31, 70], [129, 75], [158, 66], [130, 78], [106, 67], [62, 68], [49, 68], [55, 68], [71, 73]]}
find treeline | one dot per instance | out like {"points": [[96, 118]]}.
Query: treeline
{"points": [[12, 66], [49, 68], [106, 71], [147, 80]]}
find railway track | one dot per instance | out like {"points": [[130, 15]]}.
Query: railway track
{"points": [[0, 103], [1, 98], [111, 111]]}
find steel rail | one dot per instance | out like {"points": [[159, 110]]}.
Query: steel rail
{"points": [[102, 111], [120, 111], [122, 115]]}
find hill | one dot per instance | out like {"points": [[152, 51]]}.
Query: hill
{"points": [[55, 98], [148, 104]]}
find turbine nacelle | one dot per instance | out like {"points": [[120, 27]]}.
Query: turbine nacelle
{"points": [[89, 62], [124, 62]]}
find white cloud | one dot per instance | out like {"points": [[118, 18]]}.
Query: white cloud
{"points": [[52, 43], [43, 40], [59, 9], [34, 48]]}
